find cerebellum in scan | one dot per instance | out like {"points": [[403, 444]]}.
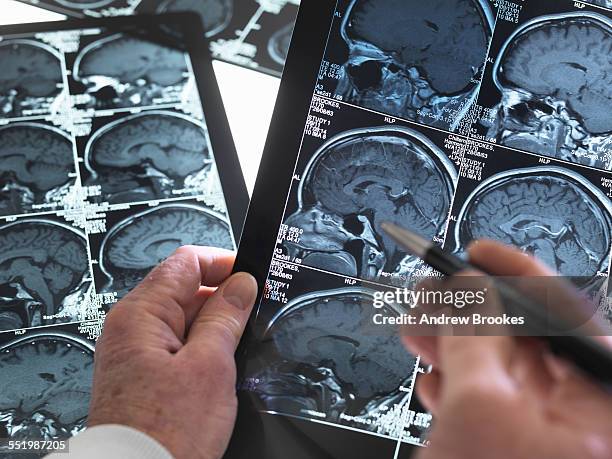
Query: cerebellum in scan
{"points": [[37, 170], [31, 78], [44, 274], [323, 354], [149, 156], [416, 60], [355, 182], [554, 77], [126, 71], [135, 245], [551, 213], [46, 380]]}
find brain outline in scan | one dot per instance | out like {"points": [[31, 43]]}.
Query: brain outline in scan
{"points": [[278, 45], [34, 82], [52, 395], [84, 4], [556, 215], [146, 167], [125, 262], [363, 178], [405, 74], [38, 168], [44, 273], [224, 11], [555, 98], [141, 73], [332, 358]]}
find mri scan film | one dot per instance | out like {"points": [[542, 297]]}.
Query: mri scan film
{"points": [[137, 244], [99, 164], [149, 156], [456, 119], [555, 82], [46, 382], [38, 167], [327, 357], [360, 179], [31, 79], [416, 60]]}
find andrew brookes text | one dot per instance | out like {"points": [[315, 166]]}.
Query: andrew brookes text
{"points": [[455, 298]]}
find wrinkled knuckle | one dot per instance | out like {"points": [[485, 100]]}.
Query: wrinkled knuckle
{"points": [[226, 325]]}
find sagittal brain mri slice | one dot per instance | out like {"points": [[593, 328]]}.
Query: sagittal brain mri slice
{"points": [[31, 77], [84, 4], [37, 167], [278, 46], [44, 274], [149, 156], [326, 355], [551, 213], [215, 14], [416, 60], [46, 381], [140, 242], [123, 71], [554, 76], [360, 179]]}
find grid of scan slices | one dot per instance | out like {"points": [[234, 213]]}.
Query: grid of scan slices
{"points": [[254, 34], [101, 179], [491, 120]]}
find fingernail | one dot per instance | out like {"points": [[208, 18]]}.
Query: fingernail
{"points": [[240, 291]]}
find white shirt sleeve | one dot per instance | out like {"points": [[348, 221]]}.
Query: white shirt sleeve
{"points": [[112, 441]]}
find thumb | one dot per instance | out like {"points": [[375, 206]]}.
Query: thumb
{"points": [[222, 319]]}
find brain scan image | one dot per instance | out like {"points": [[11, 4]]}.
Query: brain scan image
{"points": [[416, 60], [44, 274], [549, 212], [46, 381], [360, 179], [148, 156], [137, 244], [554, 76], [278, 46], [31, 77], [124, 71], [327, 356], [37, 167], [215, 14], [84, 4]]}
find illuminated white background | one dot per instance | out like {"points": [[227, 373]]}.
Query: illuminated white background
{"points": [[248, 96]]}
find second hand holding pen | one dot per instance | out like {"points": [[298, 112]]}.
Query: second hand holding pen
{"points": [[584, 352]]}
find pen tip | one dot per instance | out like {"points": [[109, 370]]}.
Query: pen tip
{"points": [[412, 243]]}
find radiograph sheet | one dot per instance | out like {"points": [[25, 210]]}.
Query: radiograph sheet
{"points": [[254, 34], [106, 167], [459, 120]]}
